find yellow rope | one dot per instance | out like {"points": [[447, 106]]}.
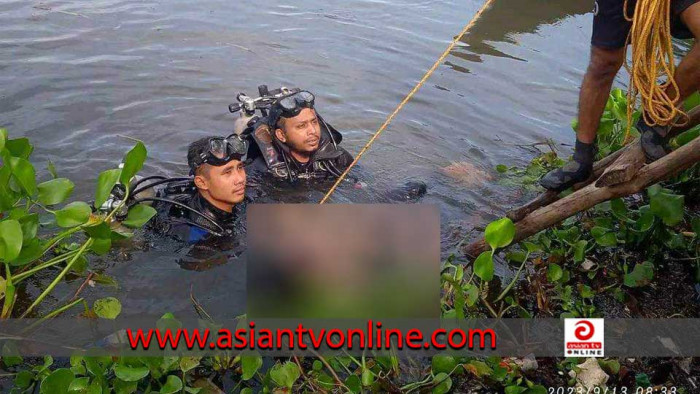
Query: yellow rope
{"points": [[652, 59], [407, 98]]}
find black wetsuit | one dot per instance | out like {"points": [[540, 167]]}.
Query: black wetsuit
{"points": [[199, 220], [271, 155]]}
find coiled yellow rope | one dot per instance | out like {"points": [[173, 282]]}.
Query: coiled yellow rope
{"points": [[408, 97], [652, 59]]}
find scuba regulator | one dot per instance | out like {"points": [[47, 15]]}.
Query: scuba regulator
{"points": [[246, 107]]}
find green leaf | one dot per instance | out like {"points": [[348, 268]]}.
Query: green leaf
{"points": [[79, 385], [537, 389], [52, 169], [130, 374], [107, 308], [443, 363], [554, 272], [500, 233], [3, 138], [57, 382], [189, 363], [668, 207], [603, 236], [514, 389], [73, 214], [23, 379], [641, 275], [19, 147], [483, 266], [695, 224], [102, 237], [367, 377], [250, 364], [442, 383], [317, 365], [30, 225], [133, 162], [24, 173], [139, 215], [472, 294], [10, 354], [122, 387], [612, 367], [173, 384], [502, 168], [642, 380], [285, 375], [580, 250], [105, 183], [619, 208], [646, 219], [354, 384], [10, 239], [54, 191]]}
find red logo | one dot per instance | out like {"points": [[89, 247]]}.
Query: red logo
{"points": [[584, 330]]}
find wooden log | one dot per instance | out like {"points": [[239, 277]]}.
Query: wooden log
{"points": [[590, 196], [624, 168], [549, 196]]}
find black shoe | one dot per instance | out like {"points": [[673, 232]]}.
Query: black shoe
{"points": [[652, 138], [570, 174]]}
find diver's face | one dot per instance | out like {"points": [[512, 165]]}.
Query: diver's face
{"points": [[223, 186], [301, 133]]}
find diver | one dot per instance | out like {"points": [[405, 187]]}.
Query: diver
{"points": [[294, 142], [212, 202]]}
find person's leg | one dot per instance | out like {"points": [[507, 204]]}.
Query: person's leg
{"points": [[595, 89], [687, 76], [688, 71]]}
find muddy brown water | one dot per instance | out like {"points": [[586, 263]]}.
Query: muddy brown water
{"points": [[78, 76]]}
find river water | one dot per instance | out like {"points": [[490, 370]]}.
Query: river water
{"points": [[77, 77]]}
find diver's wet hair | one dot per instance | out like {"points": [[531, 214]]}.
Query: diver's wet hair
{"points": [[194, 152]]}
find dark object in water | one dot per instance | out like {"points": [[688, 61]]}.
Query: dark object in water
{"points": [[410, 191]]}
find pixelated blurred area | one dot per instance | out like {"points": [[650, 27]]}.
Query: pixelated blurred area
{"points": [[343, 261]]}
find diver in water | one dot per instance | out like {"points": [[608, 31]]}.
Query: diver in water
{"points": [[294, 142], [211, 203]]}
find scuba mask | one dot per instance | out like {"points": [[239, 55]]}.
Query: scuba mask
{"points": [[221, 151], [290, 106]]}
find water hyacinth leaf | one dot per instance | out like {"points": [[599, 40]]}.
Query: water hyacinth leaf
{"points": [[317, 365], [54, 191], [130, 374], [10, 354], [668, 207], [79, 385], [19, 147], [618, 208], [500, 233], [501, 168], [532, 247], [73, 214], [30, 225], [3, 138], [640, 276], [646, 219], [536, 389], [107, 308], [442, 383], [52, 169], [57, 382], [443, 363], [95, 387], [173, 384], [101, 246], [695, 224], [139, 215], [105, 183], [472, 294], [284, 375], [354, 384], [24, 174], [483, 266], [250, 364], [23, 379], [188, 363], [687, 136], [612, 367], [514, 389], [554, 272], [325, 381], [603, 236], [10, 239], [31, 250], [580, 250], [133, 162], [367, 377], [122, 387]]}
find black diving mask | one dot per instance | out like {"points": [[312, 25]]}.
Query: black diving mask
{"points": [[291, 105], [222, 150]]}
